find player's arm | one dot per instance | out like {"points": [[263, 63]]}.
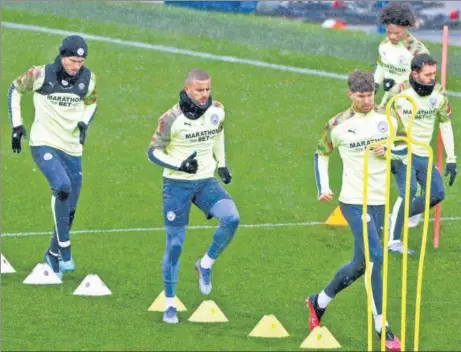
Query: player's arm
{"points": [[444, 115], [399, 149], [157, 152], [218, 147], [220, 154], [396, 89], [419, 48], [29, 81], [90, 101], [90, 106], [160, 140], [321, 160]]}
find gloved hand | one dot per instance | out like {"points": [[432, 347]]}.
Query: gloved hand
{"points": [[18, 133], [190, 165], [388, 83], [82, 126], [225, 174], [451, 170], [376, 87]]}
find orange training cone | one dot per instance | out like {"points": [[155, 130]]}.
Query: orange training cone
{"points": [[334, 23]]}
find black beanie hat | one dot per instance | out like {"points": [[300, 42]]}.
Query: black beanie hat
{"points": [[73, 45]]}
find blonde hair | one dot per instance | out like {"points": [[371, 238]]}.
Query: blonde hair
{"points": [[197, 74]]}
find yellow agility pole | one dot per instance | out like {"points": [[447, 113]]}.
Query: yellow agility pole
{"points": [[419, 285], [389, 143]]}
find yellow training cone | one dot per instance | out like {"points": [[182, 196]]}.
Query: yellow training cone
{"points": [[269, 326], [320, 338], [159, 304], [336, 218], [208, 312]]}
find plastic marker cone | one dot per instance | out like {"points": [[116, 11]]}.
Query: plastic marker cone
{"points": [[159, 304], [269, 326], [6, 267], [92, 285], [336, 218], [42, 274], [208, 312], [320, 338]]}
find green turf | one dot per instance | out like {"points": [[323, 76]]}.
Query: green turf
{"points": [[263, 38], [273, 121], [256, 31]]}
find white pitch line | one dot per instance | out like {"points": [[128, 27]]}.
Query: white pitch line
{"points": [[173, 50], [153, 229], [201, 227]]}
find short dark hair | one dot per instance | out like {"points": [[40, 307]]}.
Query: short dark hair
{"points": [[419, 61], [360, 81], [398, 13]]}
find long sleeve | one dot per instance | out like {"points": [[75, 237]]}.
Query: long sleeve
{"points": [[448, 141], [23, 84], [321, 173], [159, 157], [321, 159], [379, 71], [444, 115], [14, 106], [416, 47], [400, 130], [90, 101], [157, 150], [400, 149], [218, 147]]}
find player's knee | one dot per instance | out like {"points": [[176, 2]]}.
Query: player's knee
{"points": [[176, 237], [231, 220], [174, 250], [176, 244], [62, 192], [437, 197], [440, 193], [226, 212]]}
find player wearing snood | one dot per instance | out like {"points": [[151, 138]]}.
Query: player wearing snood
{"points": [[65, 102], [432, 107]]}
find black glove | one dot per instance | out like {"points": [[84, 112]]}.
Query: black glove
{"points": [[452, 171], [376, 87], [190, 165], [18, 133], [82, 126], [388, 83], [225, 174]]}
